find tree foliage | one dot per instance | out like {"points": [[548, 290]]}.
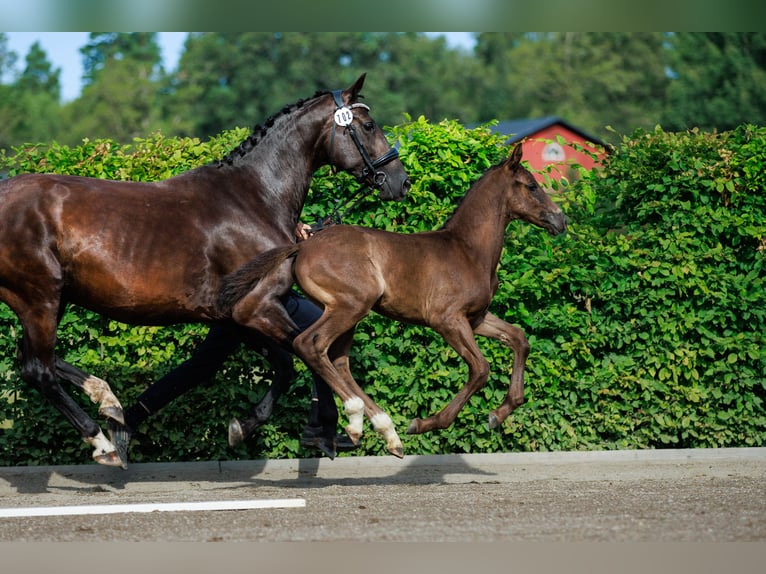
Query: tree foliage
{"points": [[232, 79], [720, 81], [645, 319]]}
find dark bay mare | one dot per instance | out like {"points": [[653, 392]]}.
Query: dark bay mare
{"points": [[156, 253], [445, 279]]}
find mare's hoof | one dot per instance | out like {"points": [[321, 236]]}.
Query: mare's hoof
{"points": [[109, 459], [112, 413], [119, 435], [236, 435], [493, 421]]}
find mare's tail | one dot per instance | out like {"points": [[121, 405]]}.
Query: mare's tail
{"points": [[238, 284]]}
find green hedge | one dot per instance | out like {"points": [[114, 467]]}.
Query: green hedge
{"points": [[645, 319]]}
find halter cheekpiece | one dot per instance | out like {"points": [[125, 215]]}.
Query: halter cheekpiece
{"points": [[344, 117]]}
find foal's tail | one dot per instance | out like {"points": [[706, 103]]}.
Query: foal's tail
{"points": [[238, 284]]}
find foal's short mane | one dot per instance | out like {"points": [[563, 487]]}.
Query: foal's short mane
{"points": [[259, 131], [470, 189]]}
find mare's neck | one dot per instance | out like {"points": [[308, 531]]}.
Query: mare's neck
{"points": [[277, 169]]}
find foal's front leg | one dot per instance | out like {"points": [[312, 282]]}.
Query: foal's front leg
{"points": [[458, 334], [513, 338]]}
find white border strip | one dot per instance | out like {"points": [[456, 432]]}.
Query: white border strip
{"points": [[153, 507]]}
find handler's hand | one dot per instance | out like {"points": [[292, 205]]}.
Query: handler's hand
{"points": [[302, 231]]}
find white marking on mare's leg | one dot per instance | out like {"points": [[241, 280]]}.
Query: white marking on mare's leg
{"points": [[354, 409], [100, 392], [100, 444]]}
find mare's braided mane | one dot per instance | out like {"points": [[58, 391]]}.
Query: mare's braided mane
{"points": [[259, 131]]}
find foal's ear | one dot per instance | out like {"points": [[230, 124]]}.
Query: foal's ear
{"points": [[353, 92], [515, 158]]}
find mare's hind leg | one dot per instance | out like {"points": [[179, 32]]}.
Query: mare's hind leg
{"points": [[97, 389], [514, 338], [283, 374], [39, 371], [459, 336]]}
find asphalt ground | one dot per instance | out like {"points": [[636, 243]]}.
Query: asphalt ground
{"points": [[693, 500]]}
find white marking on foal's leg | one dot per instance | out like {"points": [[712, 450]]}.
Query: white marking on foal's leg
{"points": [[100, 392], [382, 423], [354, 409]]}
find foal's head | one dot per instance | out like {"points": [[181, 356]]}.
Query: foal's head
{"points": [[527, 200]]}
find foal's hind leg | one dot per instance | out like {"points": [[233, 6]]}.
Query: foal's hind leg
{"points": [[97, 389], [514, 338], [316, 345]]}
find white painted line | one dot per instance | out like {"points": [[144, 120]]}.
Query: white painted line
{"points": [[152, 507]]}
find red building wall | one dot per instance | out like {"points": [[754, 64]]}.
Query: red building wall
{"points": [[542, 149]]}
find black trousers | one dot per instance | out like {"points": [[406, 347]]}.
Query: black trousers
{"points": [[220, 343]]}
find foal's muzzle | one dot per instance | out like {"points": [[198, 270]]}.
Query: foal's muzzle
{"points": [[555, 222]]}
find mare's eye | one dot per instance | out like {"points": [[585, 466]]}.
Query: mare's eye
{"points": [[369, 126]]}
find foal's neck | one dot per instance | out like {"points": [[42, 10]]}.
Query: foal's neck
{"points": [[480, 220]]}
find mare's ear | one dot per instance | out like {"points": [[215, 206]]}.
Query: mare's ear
{"points": [[515, 158], [352, 93]]}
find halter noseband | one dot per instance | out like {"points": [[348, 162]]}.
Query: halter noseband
{"points": [[370, 173]]}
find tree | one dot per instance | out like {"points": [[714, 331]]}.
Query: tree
{"points": [[38, 91], [591, 79], [29, 107], [123, 76], [719, 80], [39, 75], [237, 79], [7, 57], [103, 48]]}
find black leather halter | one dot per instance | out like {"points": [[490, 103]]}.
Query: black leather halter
{"points": [[370, 174]]}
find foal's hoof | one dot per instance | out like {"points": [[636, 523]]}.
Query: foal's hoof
{"points": [[113, 413], [397, 451], [493, 421], [236, 435], [109, 459], [414, 427]]}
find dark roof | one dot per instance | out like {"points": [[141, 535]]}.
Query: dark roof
{"points": [[521, 128]]}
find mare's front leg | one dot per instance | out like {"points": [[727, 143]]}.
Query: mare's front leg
{"points": [[459, 335], [98, 390], [516, 340]]}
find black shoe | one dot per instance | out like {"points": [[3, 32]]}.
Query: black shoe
{"points": [[312, 438], [120, 437], [344, 444]]}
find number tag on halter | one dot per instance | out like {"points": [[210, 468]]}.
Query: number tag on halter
{"points": [[344, 117]]}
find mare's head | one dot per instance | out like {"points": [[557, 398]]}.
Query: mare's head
{"points": [[357, 145], [527, 200]]}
